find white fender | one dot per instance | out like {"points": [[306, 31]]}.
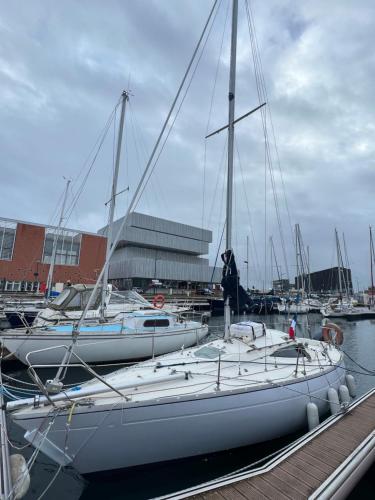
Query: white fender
{"points": [[334, 403], [312, 415], [344, 394], [350, 382], [20, 475]]}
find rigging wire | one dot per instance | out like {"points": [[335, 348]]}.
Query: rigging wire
{"points": [[250, 218], [140, 146], [92, 163], [217, 253], [263, 97], [220, 176], [204, 34], [213, 93]]}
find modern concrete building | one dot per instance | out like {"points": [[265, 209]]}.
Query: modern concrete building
{"points": [[150, 248], [26, 250]]}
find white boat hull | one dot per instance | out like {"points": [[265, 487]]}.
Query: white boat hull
{"points": [[164, 430], [293, 309], [105, 347]]}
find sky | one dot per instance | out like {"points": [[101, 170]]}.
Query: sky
{"points": [[63, 66]]}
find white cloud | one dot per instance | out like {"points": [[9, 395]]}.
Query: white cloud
{"points": [[62, 68]]}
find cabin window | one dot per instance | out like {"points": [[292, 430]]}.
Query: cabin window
{"points": [[7, 237], [289, 352], [62, 297], [68, 247], [207, 352], [156, 323]]}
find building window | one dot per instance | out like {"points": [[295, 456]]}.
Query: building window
{"points": [[7, 237], [67, 250], [13, 286]]}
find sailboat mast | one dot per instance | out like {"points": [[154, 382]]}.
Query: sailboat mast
{"points": [[273, 251], [308, 272], [55, 242], [371, 267], [348, 290], [297, 261], [338, 262], [231, 98], [247, 263], [125, 98]]}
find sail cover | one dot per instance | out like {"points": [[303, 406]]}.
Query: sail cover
{"points": [[238, 298]]}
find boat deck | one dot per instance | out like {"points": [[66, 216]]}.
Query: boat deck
{"points": [[326, 463], [5, 472]]}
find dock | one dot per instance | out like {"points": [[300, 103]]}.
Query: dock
{"points": [[325, 463]]}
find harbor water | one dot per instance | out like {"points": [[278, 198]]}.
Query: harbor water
{"points": [[156, 480]]}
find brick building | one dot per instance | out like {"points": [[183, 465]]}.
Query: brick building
{"points": [[26, 249]]}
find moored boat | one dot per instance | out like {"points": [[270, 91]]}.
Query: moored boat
{"points": [[205, 399], [132, 336]]}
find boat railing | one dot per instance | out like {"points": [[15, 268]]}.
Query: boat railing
{"points": [[200, 317], [21, 315], [31, 370]]}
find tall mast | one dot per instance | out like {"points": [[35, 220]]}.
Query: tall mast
{"points": [[125, 98], [338, 262], [347, 267], [279, 276], [247, 263], [371, 267], [308, 271], [55, 242], [297, 262], [231, 97], [300, 259], [271, 276]]}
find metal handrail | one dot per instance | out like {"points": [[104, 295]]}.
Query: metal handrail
{"points": [[82, 364], [5, 468]]}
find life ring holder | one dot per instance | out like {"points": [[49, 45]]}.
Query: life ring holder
{"points": [[337, 337], [158, 301]]}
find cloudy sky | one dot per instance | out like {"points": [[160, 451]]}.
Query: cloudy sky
{"points": [[63, 66]]}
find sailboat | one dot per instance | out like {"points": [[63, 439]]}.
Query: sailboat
{"points": [[252, 385], [22, 313], [343, 306], [67, 307], [301, 304], [360, 312], [131, 330]]}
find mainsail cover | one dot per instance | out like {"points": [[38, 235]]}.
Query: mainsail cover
{"points": [[238, 298]]}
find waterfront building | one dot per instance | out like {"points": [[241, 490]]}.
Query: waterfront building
{"points": [[153, 250], [327, 280], [26, 250]]}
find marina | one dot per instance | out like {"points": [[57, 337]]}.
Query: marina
{"points": [[206, 330], [174, 477]]}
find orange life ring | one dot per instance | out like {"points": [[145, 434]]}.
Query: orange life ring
{"points": [[158, 301], [337, 337]]}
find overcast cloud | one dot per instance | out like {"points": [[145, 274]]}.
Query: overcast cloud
{"points": [[63, 66]]}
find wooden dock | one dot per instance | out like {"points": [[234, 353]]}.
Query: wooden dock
{"points": [[326, 463]]}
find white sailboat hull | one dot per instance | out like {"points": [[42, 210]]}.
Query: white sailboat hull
{"points": [[293, 309], [105, 347], [164, 430], [350, 314]]}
